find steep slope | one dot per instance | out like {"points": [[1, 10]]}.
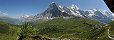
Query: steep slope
{"points": [[55, 10], [75, 28], [8, 32], [96, 14], [4, 28]]}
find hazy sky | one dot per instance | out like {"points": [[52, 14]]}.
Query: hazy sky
{"points": [[16, 8]]}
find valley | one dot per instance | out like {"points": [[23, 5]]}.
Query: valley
{"points": [[59, 23]]}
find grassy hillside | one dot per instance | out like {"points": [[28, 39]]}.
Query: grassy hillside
{"points": [[73, 28], [111, 28], [8, 32]]}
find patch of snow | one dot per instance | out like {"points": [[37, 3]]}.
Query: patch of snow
{"points": [[105, 13], [60, 6], [112, 19], [74, 7], [95, 10], [90, 15], [76, 13], [53, 2], [91, 11], [63, 10], [73, 12], [113, 15]]}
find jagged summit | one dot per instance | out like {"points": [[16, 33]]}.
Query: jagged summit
{"points": [[74, 7], [53, 4], [56, 10]]}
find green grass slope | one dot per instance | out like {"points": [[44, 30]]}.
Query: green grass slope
{"points": [[73, 28], [8, 32]]}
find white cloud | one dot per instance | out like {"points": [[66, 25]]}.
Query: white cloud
{"points": [[25, 16], [3, 13]]}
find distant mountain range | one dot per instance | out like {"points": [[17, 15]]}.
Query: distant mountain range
{"points": [[55, 10], [10, 20], [5, 18]]}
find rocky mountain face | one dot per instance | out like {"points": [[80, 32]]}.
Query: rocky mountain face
{"points": [[55, 10]]}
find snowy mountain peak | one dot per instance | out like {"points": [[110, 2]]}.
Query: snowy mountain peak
{"points": [[74, 7], [105, 13], [60, 6], [52, 2], [54, 10], [95, 9], [53, 5]]}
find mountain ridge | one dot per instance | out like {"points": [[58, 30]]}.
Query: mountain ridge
{"points": [[56, 10]]}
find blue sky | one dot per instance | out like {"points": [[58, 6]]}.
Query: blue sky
{"points": [[16, 8]]}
